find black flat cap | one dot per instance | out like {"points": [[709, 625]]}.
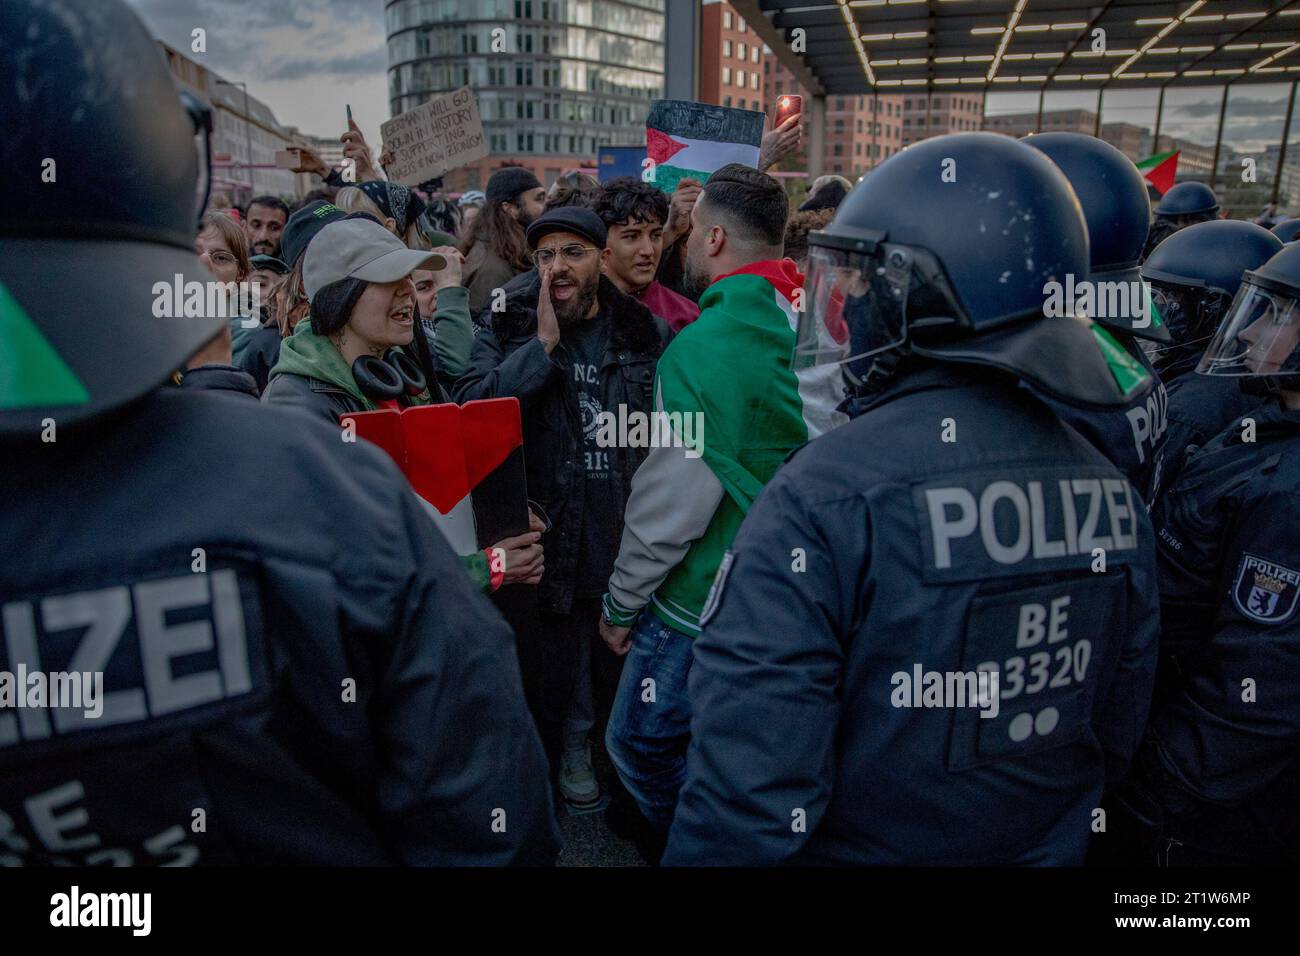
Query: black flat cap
{"points": [[573, 219]]}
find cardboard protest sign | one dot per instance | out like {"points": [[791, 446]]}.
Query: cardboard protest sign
{"points": [[434, 138], [688, 140], [465, 461]]}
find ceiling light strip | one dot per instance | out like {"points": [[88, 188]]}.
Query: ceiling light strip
{"points": [[1163, 32], [847, 14], [1006, 38], [1276, 56]]}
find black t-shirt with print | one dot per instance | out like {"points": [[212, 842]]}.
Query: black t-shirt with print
{"points": [[585, 343]]}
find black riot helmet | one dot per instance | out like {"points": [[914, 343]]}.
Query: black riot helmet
{"points": [[1288, 230], [1113, 195], [112, 171], [1188, 199], [1194, 275], [946, 251], [1259, 338]]}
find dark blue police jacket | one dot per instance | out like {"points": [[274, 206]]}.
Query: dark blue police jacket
{"points": [[1221, 762], [881, 555], [296, 670], [1200, 406], [1133, 437]]}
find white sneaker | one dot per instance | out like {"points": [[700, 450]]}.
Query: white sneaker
{"points": [[577, 778]]}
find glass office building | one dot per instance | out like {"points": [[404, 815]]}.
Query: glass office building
{"points": [[554, 78]]}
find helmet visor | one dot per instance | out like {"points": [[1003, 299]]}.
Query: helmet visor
{"points": [[1259, 336], [855, 305]]}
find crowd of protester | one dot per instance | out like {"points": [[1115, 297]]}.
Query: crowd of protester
{"points": [[663, 606]]}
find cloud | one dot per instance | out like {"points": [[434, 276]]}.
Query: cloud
{"points": [[304, 59], [1237, 106], [362, 63]]}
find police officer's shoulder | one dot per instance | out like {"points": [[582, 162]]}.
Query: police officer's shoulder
{"points": [[297, 467]]}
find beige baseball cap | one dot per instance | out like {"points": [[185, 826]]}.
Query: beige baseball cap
{"points": [[361, 249]]}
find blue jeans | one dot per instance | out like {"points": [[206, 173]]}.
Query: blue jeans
{"points": [[649, 726]]}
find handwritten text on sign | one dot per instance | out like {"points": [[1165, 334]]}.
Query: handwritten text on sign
{"points": [[439, 136]]}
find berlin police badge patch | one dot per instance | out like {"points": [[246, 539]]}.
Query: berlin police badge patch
{"points": [[1264, 591]]}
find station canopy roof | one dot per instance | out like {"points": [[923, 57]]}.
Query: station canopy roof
{"points": [[856, 46]]}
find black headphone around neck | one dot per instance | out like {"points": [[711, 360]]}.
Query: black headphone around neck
{"points": [[391, 377]]}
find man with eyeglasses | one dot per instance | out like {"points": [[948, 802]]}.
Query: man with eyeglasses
{"points": [[577, 353]]}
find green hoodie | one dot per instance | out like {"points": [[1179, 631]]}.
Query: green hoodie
{"points": [[313, 356]]}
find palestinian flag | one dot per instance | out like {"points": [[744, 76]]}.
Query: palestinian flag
{"points": [[466, 462], [688, 140], [1160, 170]]}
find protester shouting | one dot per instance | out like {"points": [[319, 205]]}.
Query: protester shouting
{"points": [[356, 276], [573, 349]]}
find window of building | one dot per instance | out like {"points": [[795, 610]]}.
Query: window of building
{"points": [[753, 81], [726, 19], [726, 48], [740, 78], [726, 101], [726, 74], [740, 50], [753, 54], [839, 149]]}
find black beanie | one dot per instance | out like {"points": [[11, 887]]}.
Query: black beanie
{"points": [[507, 183], [332, 305]]}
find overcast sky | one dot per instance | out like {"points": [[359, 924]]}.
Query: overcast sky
{"points": [[305, 59]]}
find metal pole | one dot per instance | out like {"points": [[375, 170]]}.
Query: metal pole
{"points": [[248, 135], [1038, 124], [817, 137], [1160, 113], [1096, 127], [682, 55], [1281, 152], [875, 127], [1218, 136]]}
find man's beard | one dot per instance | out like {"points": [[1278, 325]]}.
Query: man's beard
{"points": [[693, 282], [575, 309], [265, 248], [524, 218]]}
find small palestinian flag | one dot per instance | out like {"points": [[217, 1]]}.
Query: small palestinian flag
{"points": [[465, 461], [688, 140], [1160, 170]]}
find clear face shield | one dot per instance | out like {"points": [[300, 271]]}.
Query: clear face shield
{"points": [[1189, 312], [855, 307], [201, 116], [1259, 336]]}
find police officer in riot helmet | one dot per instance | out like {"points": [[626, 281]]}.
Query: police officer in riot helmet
{"points": [[1217, 780], [1194, 276], [1185, 204], [279, 630], [934, 638], [1113, 196]]}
